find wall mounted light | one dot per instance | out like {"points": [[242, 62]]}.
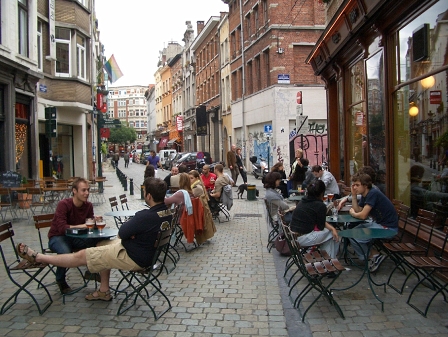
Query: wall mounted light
{"points": [[428, 82], [413, 109]]}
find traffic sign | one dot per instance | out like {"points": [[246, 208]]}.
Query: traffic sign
{"points": [[268, 128], [200, 155], [302, 125]]}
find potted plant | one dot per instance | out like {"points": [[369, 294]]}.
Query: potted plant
{"points": [[23, 198]]}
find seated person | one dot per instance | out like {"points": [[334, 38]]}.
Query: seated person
{"points": [[331, 185], [373, 204], [172, 179], [308, 220], [133, 251], [221, 181], [208, 178], [278, 167], [70, 213], [274, 199]]}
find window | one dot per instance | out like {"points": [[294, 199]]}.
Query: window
{"points": [[257, 23], [267, 67], [62, 52], [23, 27], [81, 56], [39, 46], [265, 11], [248, 27]]}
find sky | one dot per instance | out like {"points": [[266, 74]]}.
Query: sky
{"points": [[134, 31]]}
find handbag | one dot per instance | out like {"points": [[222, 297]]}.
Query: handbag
{"points": [[282, 246]]}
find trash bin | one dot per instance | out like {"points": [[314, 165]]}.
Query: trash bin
{"points": [[251, 193]]}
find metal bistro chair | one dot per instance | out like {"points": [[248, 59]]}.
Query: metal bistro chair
{"points": [[15, 266], [113, 202], [274, 226], [6, 203], [139, 280]]}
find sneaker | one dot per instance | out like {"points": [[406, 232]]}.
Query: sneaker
{"points": [[64, 287], [375, 262]]}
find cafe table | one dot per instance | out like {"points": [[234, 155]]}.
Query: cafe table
{"points": [[366, 234], [107, 234], [125, 213], [295, 198], [345, 219]]}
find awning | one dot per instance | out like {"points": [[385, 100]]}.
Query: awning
{"points": [[162, 142], [172, 141]]}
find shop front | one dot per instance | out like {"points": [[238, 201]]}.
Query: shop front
{"points": [[385, 65]]}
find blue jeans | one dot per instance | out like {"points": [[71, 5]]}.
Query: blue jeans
{"points": [[361, 249], [65, 245]]}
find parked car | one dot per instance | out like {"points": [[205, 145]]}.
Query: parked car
{"points": [[189, 159], [164, 155], [172, 158]]}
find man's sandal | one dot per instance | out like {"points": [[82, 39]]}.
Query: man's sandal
{"points": [[24, 254], [101, 296]]}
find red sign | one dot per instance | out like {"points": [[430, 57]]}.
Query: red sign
{"points": [[435, 97], [299, 97], [179, 123], [104, 132]]}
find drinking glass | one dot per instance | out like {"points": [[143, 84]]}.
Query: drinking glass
{"points": [[90, 223], [325, 198], [101, 224], [330, 197], [334, 211]]}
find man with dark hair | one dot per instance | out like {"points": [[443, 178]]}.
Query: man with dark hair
{"points": [[70, 213], [154, 160], [331, 185], [133, 251], [373, 204]]}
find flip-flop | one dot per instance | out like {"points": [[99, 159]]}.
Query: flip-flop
{"points": [[24, 254]]}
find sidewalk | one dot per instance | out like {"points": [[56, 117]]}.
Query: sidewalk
{"points": [[229, 286]]}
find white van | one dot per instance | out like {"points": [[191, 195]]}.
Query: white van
{"points": [[164, 154]]}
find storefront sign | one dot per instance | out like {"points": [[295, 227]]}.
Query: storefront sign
{"points": [[435, 97], [359, 118], [179, 123]]}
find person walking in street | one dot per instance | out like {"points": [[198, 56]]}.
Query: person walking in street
{"points": [[126, 159], [240, 165], [133, 251], [70, 213], [154, 160], [231, 163], [116, 158]]}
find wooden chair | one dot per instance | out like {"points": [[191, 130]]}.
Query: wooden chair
{"points": [[315, 268], [7, 204], [21, 272], [274, 226], [433, 269], [124, 201], [38, 200], [113, 202]]}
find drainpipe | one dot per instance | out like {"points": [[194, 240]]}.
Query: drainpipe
{"points": [[243, 73]]}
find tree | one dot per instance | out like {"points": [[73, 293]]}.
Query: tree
{"points": [[122, 135]]}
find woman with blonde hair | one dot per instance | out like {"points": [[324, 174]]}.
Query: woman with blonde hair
{"points": [[197, 186], [184, 190]]}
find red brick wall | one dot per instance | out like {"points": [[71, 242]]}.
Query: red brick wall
{"points": [[292, 25]]}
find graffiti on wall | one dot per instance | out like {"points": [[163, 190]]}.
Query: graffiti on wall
{"points": [[314, 129], [315, 147]]}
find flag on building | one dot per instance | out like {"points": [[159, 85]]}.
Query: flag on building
{"points": [[112, 69]]}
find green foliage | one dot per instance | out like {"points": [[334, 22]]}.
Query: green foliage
{"points": [[122, 135], [442, 141]]}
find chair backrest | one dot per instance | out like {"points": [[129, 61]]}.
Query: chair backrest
{"points": [[162, 244], [5, 196], [40, 222], [113, 203], [427, 214], [124, 201], [6, 232]]}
